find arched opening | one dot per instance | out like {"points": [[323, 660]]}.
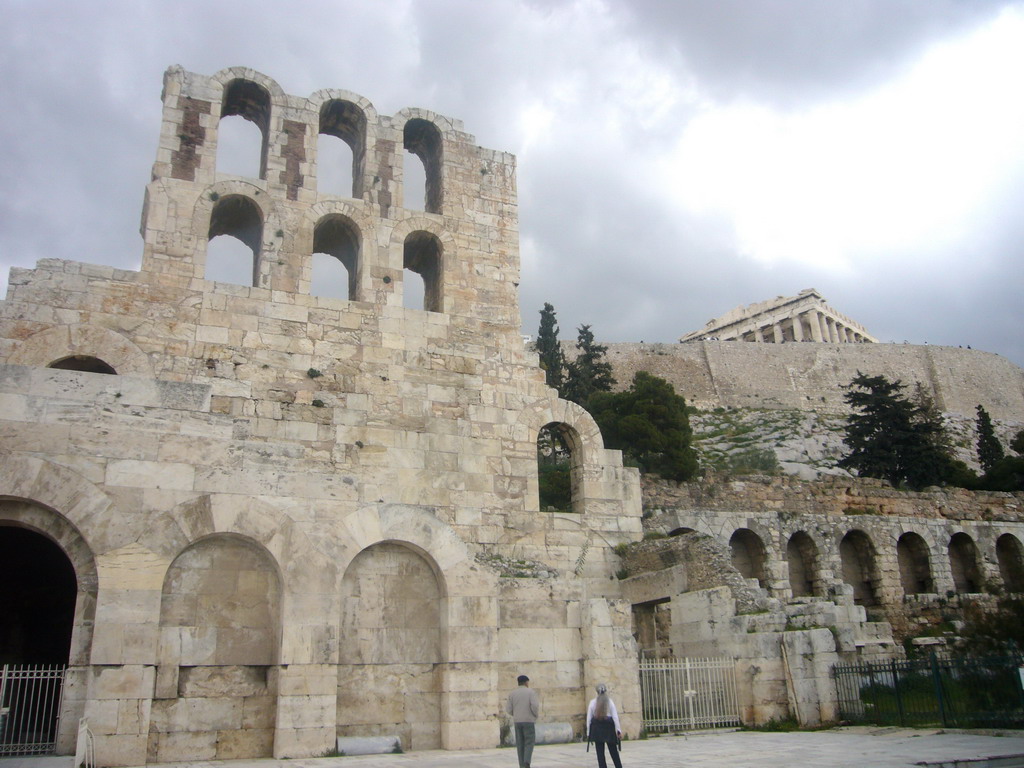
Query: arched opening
{"points": [[392, 640], [336, 245], [963, 562], [748, 555], [38, 596], [557, 478], [341, 157], [1011, 562], [38, 591], [235, 235], [860, 568], [83, 364], [423, 255], [680, 531], [242, 147], [915, 564], [802, 559], [423, 139], [219, 619]]}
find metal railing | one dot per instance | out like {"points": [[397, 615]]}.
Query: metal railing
{"points": [[686, 694], [30, 701], [950, 692]]}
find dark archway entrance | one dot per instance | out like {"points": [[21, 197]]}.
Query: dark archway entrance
{"points": [[38, 590]]}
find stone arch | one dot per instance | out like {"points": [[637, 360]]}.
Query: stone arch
{"points": [[422, 245], [804, 567], [392, 641], [749, 555], [387, 547], [245, 211], [253, 96], [363, 227], [338, 236], [914, 564], [344, 117], [1010, 556], [220, 618], [64, 341], [963, 563], [422, 137], [859, 563], [60, 504], [581, 436]]}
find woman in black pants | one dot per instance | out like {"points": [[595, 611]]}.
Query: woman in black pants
{"points": [[603, 726]]}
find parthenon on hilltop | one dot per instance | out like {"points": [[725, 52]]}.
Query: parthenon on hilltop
{"points": [[804, 317]]}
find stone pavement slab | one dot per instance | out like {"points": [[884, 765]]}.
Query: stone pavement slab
{"points": [[849, 747]]}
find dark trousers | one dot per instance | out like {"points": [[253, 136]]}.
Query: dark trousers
{"points": [[526, 737], [613, 750]]}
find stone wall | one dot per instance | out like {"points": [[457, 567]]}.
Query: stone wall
{"points": [[809, 376], [790, 577], [290, 516]]}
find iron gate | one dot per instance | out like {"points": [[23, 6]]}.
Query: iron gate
{"points": [[30, 699], [686, 694]]}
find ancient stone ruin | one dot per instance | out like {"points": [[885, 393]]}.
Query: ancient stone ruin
{"points": [[804, 317], [265, 519], [292, 518]]}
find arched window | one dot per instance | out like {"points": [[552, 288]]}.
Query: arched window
{"points": [[748, 555], [341, 149], [963, 562], [423, 254], [802, 559], [236, 232], [1011, 562], [237, 150], [83, 363], [423, 140], [557, 467], [336, 246], [860, 568], [915, 565]]}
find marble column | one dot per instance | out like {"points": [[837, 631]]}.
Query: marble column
{"points": [[814, 322], [798, 328], [777, 333]]}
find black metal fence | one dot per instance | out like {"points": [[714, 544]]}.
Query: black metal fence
{"points": [[30, 699], [949, 692]]}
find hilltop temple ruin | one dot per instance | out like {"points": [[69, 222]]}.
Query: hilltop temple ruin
{"points": [[804, 317]]}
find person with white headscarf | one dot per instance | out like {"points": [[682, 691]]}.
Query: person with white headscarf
{"points": [[603, 726]]}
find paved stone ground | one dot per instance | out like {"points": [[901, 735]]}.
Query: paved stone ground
{"points": [[854, 747]]}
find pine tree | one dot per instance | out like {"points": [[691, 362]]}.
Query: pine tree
{"points": [[650, 425], [590, 372], [990, 450], [549, 349], [892, 438]]}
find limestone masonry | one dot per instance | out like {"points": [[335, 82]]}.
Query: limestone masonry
{"points": [[295, 518]]}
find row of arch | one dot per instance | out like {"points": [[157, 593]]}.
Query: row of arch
{"points": [[335, 242], [257, 100], [861, 567]]}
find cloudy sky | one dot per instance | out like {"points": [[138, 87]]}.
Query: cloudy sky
{"points": [[676, 159]]}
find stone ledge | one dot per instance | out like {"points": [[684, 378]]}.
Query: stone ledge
{"points": [[368, 745]]}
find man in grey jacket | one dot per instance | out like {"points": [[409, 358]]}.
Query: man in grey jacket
{"points": [[524, 707]]}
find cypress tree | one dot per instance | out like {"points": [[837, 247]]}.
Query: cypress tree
{"points": [[549, 349], [590, 372], [990, 450]]}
